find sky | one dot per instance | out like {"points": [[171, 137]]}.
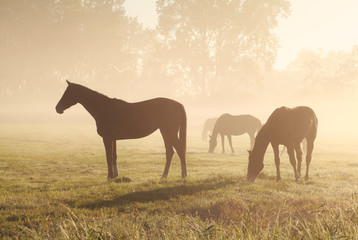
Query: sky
{"points": [[312, 24]]}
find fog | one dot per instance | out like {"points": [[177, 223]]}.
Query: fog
{"points": [[215, 57]]}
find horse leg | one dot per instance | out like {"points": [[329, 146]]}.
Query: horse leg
{"points": [[298, 150], [114, 158], [230, 143], [169, 153], [310, 146], [108, 146], [291, 154], [222, 142], [181, 152], [277, 160]]}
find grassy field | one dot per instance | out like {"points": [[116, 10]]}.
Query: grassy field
{"points": [[53, 186]]}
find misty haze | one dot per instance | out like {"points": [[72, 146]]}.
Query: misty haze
{"points": [[80, 175]]}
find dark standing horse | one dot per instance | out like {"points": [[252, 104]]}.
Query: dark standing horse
{"points": [[233, 125], [208, 128], [117, 119], [288, 127]]}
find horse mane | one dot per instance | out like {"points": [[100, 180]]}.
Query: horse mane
{"points": [[262, 138], [215, 131], [277, 114], [82, 88], [94, 94]]}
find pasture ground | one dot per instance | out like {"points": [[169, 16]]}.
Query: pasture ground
{"points": [[53, 186]]}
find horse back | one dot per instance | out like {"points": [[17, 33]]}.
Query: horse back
{"points": [[292, 124], [237, 124]]}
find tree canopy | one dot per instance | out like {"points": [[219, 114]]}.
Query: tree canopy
{"points": [[220, 45], [199, 48]]}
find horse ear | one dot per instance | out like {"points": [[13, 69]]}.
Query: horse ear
{"points": [[68, 82]]}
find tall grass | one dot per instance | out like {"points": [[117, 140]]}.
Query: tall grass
{"points": [[53, 186]]}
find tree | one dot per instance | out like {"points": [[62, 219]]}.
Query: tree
{"points": [[218, 46], [320, 73], [348, 72], [88, 41]]}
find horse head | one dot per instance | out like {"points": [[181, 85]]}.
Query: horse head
{"points": [[255, 166], [212, 144], [68, 99]]}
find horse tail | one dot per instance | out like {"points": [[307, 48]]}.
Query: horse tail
{"points": [[313, 131], [182, 131]]}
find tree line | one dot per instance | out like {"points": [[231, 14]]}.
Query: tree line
{"points": [[199, 49]]}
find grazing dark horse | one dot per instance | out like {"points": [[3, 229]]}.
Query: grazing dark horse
{"points": [[117, 119], [287, 126], [233, 125], [208, 128]]}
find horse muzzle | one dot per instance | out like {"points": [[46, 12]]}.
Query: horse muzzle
{"points": [[59, 110]]}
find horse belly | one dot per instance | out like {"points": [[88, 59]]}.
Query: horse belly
{"points": [[238, 132], [125, 131], [233, 131], [133, 132], [287, 136]]}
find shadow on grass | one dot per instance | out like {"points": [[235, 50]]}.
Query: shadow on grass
{"points": [[161, 193], [272, 178], [264, 176], [189, 153]]}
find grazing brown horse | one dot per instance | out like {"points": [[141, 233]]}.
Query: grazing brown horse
{"points": [[233, 125], [287, 126], [208, 128], [117, 119]]}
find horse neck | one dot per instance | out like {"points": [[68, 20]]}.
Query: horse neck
{"points": [[215, 133], [261, 142], [92, 101]]}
